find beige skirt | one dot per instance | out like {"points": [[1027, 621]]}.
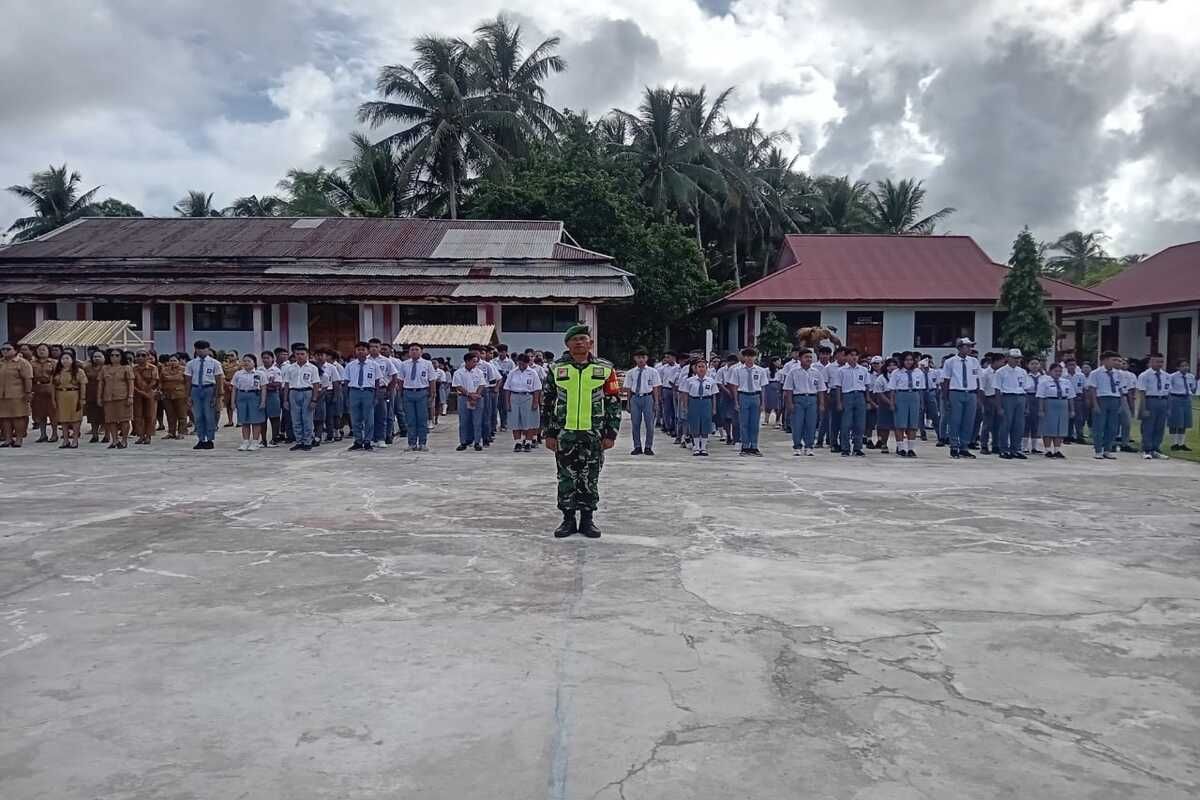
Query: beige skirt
{"points": [[14, 408], [118, 411]]}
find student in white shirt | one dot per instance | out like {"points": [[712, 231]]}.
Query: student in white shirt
{"points": [[523, 398], [804, 395], [1183, 389], [469, 382], [206, 379], [273, 383], [1055, 394], [747, 382], [668, 370], [824, 355], [364, 382], [250, 400], [643, 388], [1033, 365], [880, 398], [853, 383], [334, 397], [1153, 404], [833, 410], [503, 365], [960, 379], [1078, 382], [321, 413], [1105, 399], [931, 411], [304, 392], [700, 406], [1011, 380], [1128, 399], [416, 380], [490, 394], [907, 386]]}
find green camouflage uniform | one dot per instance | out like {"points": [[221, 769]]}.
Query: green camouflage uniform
{"points": [[580, 455]]}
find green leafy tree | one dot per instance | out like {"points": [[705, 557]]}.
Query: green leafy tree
{"points": [[371, 183], [54, 195], [1082, 253], [773, 339], [841, 205], [306, 193], [1027, 324], [112, 207], [896, 208], [196, 204]]}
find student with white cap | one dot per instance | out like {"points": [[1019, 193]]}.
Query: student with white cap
{"points": [[1153, 390], [960, 379], [1011, 381]]}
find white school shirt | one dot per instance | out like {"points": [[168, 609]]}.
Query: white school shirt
{"points": [[853, 379], [302, 377], [523, 380], [469, 380], [879, 384], [421, 379], [1154, 384], [1031, 382], [901, 379], [698, 387], [1078, 380], [1106, 382], [1046, 387], [1182, 383], [1012, 380], [805, 381], [833, 376], [987, 381], [366, 374], [439, 375], [327, 376], [273, 375], [542, 371], [489, 370], [385, 366], [1128, 381], [336, 370], [249, 381], [649, 380], [953, 371], [203, 371], [748, 379], [933, 378], [788, 366], [505, 365]]}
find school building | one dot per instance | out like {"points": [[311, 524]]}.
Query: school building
{"points": [[884, 294], [1155, 308], [254, 283]]}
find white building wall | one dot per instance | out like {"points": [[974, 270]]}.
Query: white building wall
{"points": [[836, 318], [1132, 339], [899, 328]]}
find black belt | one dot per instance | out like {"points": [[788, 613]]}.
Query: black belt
{"points": [[1176, 394], [417, 389], [972, 391], [514, 391], [741, 392], [298, 389], [907, 390]]}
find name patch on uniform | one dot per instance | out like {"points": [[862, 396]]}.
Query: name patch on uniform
{"points": [[598, 372], [562, 373]]}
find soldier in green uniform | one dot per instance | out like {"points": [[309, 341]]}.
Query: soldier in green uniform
{"points": [[581, 413]]}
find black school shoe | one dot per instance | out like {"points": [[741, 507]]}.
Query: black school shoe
{"points": [[461, 447], [648, 451], [860, 454], [478, 447], [954, 453], [637, 451], [965, 454]]}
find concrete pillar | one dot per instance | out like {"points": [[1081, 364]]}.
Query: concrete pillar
{"points": [[589, 317], [366, 321], [39, 314], [180, 315], [148, 324], [257, 328]]}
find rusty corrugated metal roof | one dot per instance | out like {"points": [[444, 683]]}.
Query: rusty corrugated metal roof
{"points": [[245, 291], [446, 335], [544, 289], [277, 237], [85, 333]]}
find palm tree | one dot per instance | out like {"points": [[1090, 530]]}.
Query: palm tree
{"points": [[841, 205], [254, 206], [54, 195], [307, 193], [512, 80], [701, 121], [451, 121], [1081, 252], [196, 204], [369, 183], [895, 208], [668, 155]]}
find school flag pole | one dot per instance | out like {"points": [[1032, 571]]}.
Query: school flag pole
{"points": [[708, 345]]}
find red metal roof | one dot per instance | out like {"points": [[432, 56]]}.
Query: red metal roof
{"points": [[828, 269], [1168, 278], [273, 237]]}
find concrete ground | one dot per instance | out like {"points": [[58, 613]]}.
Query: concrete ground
{"points": [[396, 625]]}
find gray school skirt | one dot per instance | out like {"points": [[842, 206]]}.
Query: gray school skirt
{"points": [[908, 410], [885, 417], [524, 416], [248, 410], [1179, 414], [1055, 422]]}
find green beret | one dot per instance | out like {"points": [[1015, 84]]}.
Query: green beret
{"points": [[576, 330]]}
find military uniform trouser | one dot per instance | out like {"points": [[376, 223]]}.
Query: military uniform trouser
{"points": [[579, 458]]}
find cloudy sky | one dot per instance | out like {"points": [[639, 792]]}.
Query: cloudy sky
{"points": [[1056, 114]]}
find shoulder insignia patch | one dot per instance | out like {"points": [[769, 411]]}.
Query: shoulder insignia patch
{"points": [[562, 374], [599, 372]]}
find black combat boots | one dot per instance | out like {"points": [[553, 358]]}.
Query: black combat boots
{"points": [[567, 527]]}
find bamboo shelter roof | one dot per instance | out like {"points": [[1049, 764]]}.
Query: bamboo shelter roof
{"points": [[446, 335], [86, 333]]}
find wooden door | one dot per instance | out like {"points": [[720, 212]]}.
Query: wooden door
{"points": [[333, 325], [864, 332], [1179, 341]]}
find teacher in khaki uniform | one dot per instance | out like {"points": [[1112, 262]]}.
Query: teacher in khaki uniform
{"points": [[581, 414], [16, 390]]}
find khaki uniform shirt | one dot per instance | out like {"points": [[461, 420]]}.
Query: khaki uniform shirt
{"points": [[145, 379], [13, 374], [172, 381], [116, 383]]}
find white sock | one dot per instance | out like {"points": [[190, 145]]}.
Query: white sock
{"points": [[703, 444]]}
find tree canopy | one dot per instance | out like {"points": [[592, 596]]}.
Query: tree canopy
{"points": [[1027, 324]]}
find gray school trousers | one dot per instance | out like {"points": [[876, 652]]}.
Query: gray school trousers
{"points": [[962, 418], [1011, 428]]}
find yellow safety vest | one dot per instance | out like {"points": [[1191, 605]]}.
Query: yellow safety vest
{"points": [[581, 385]]}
